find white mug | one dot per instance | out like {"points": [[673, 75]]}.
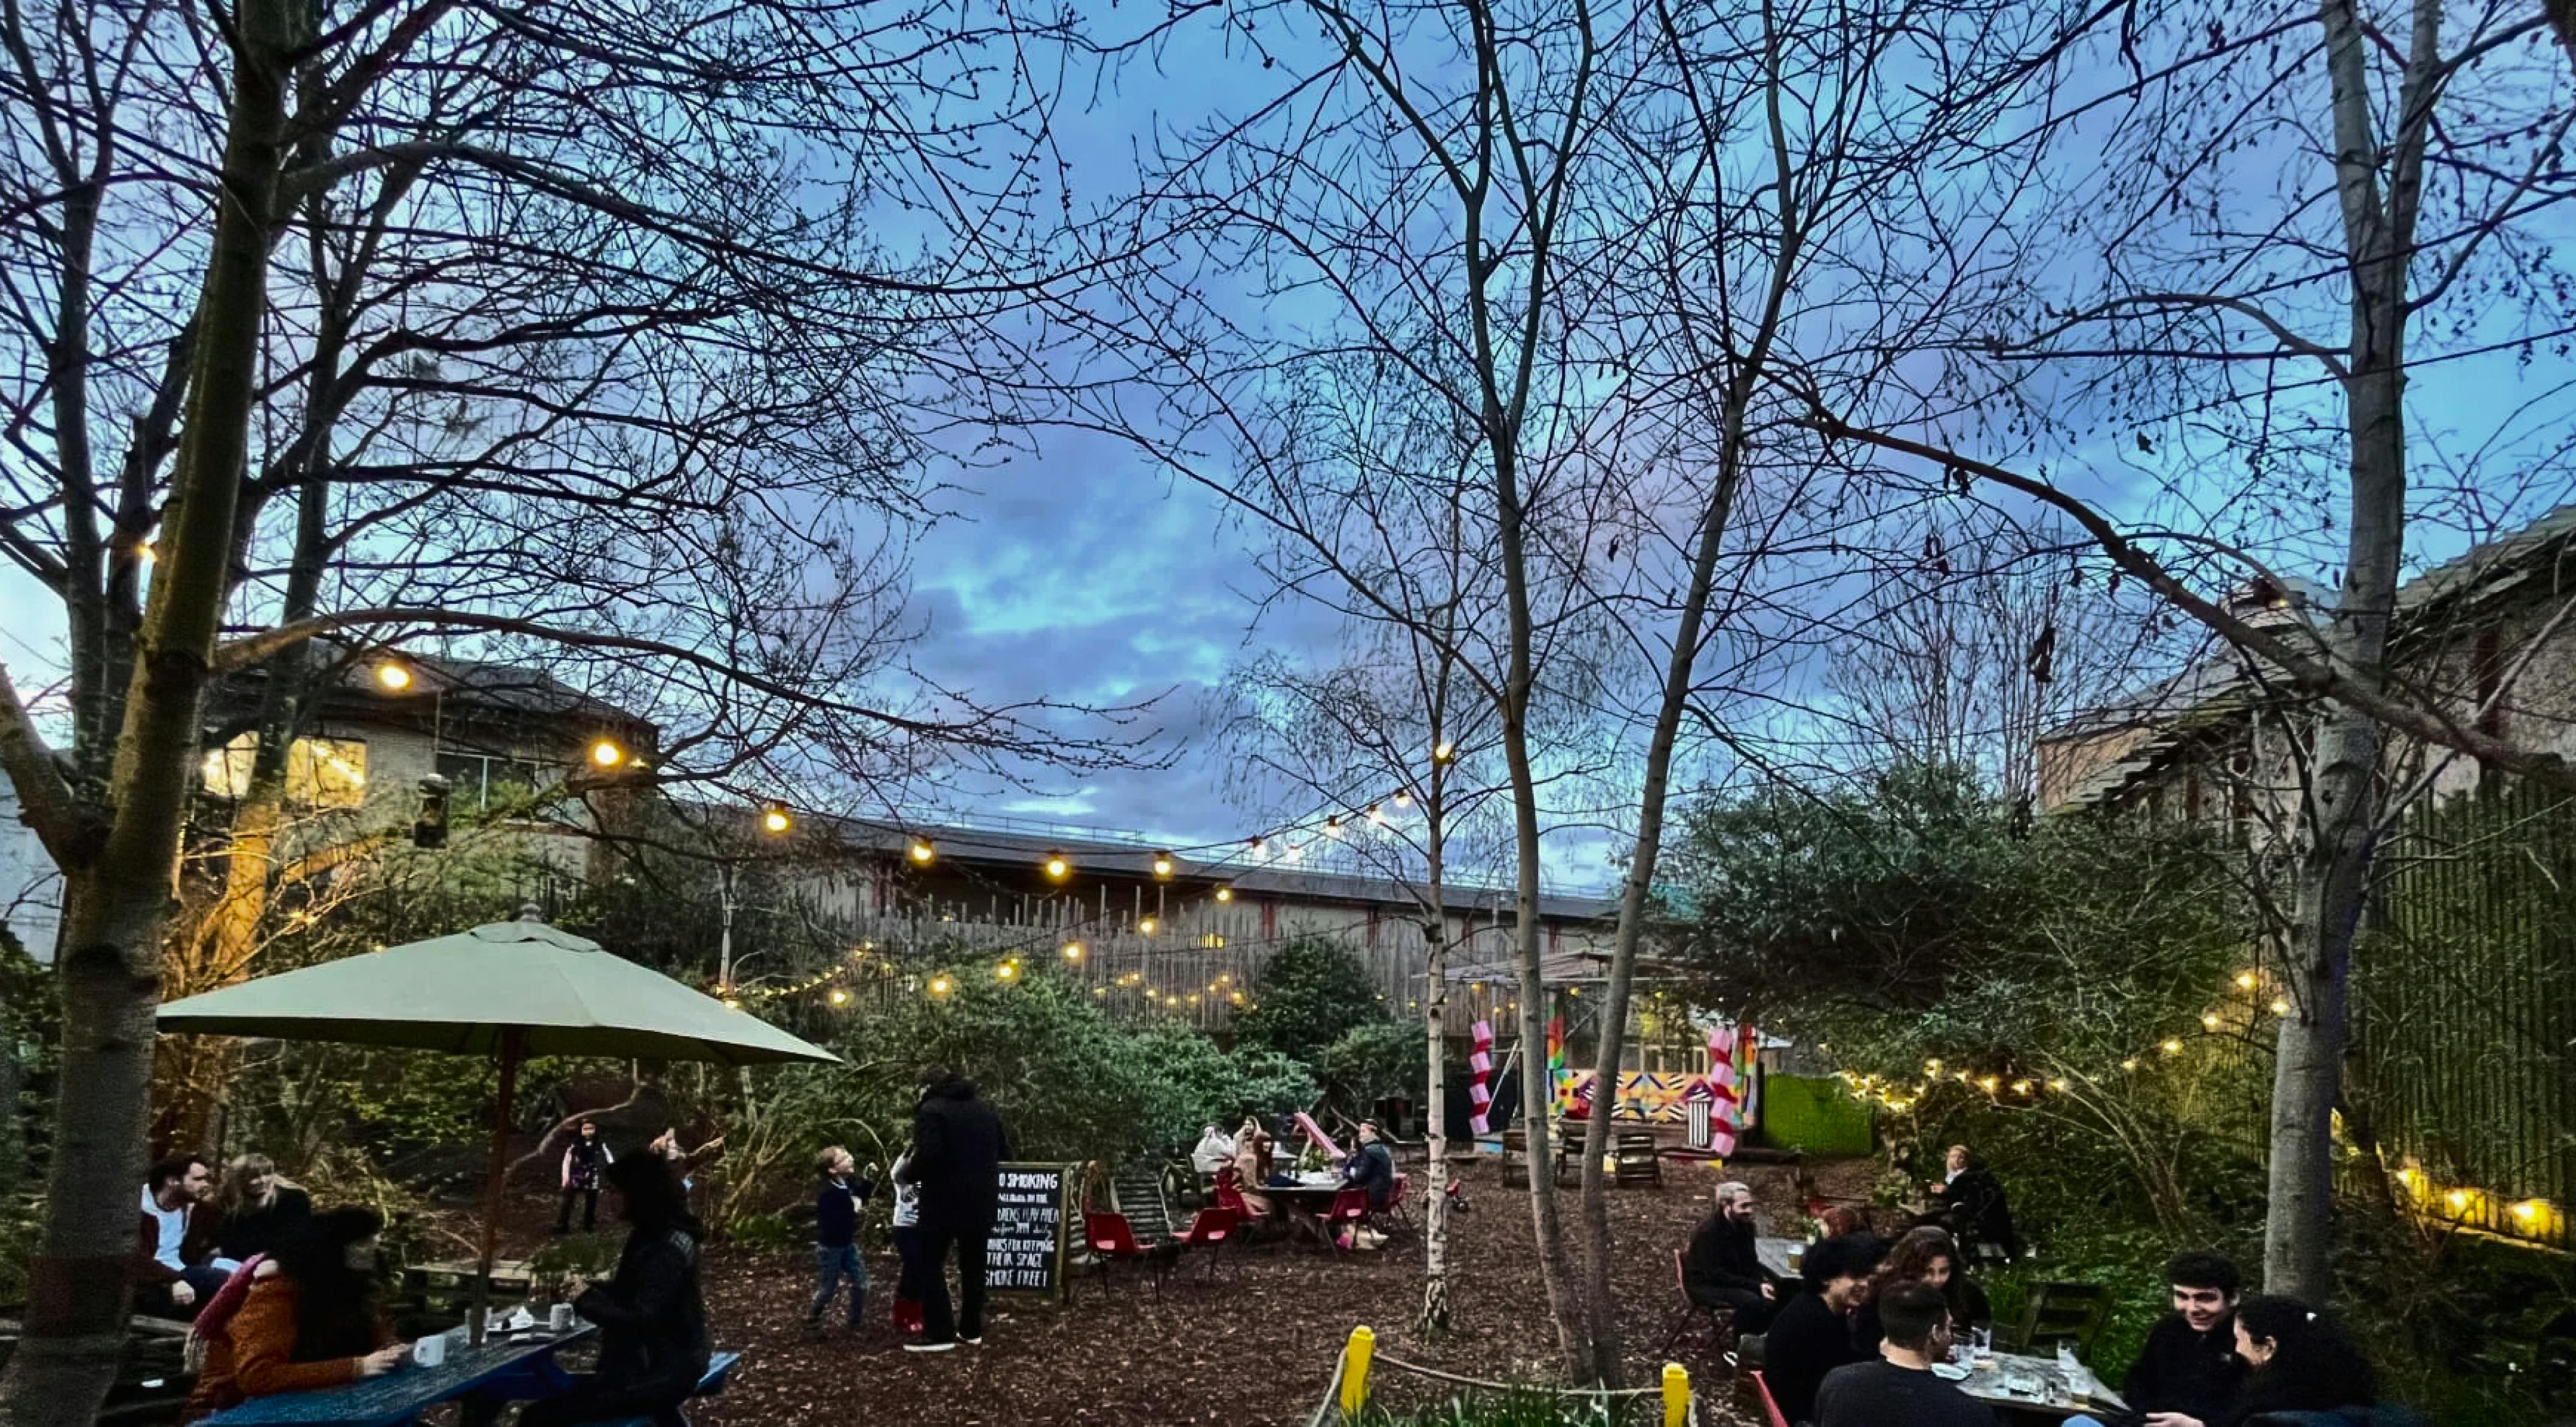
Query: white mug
{"points": [[559, 1317], [431, 1351]]}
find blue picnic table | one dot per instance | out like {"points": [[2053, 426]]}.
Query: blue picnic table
{"points": [[499, 1371]]}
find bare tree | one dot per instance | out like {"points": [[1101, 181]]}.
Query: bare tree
{"points": [[2438, 154], [575, 352]]}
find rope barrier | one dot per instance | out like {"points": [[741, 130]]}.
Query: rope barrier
{"points": [[1343, 1397]]}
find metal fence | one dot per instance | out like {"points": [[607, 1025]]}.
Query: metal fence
{"points": [[2465, 1008]]}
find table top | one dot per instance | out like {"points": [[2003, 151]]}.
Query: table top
{"points": [[399, 1395], [1774, 1252], [1986, 1384], [1331, 1184]]}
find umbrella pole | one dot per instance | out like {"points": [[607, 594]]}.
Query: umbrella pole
{"points": [[512, 1040]]}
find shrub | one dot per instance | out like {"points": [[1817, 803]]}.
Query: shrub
{"points": [[1312, 990]]}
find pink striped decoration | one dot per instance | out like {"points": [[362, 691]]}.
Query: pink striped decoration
{"points": [[1480, 1067]]}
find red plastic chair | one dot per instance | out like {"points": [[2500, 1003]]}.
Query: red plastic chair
{"points": [[1210, 1229], [1112, 1240], [1770, 1404], [1351, 1207], [1395, 1209]]}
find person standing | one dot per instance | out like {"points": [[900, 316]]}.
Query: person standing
{"points": [[1901, 1388], [583, 1160], [958, 1145], [836, 1237], [258, 1208], [1723, 1268]]}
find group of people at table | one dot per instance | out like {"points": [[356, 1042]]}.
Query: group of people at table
{"points": [[1854, 1339], [283, 1297], [1248, 1162]]}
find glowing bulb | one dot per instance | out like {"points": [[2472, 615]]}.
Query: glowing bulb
{"points": [[1073, 951], [1007, 971], [607, 754], [2128, 1065], [2209, 1021], [1225, 894], [1237, 997], [1056, 866], [393, 676], [2280, 1005], [776, 820], [1933, 1066], [1403, 798], [146, 552], [941, 985], [2057, 1085], [731, 1004], [1445, 752], [2460, 1199], [921, 849], [2171, 1047], [1333, 827], [1099, 990], [1988, 1084], [1258, 844], [2247, 980], [840, 997], [1145, 927], [1376, 814], [2532, 1213], [2021, 1087], [1162, 864]]}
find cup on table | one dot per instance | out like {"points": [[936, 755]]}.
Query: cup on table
{"points": [[431, 1351], [559, 1317]]}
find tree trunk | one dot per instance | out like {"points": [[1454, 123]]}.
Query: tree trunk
{"points": [[1555, 1273], [118, 901], [1435, 1084], [2339, 821]]}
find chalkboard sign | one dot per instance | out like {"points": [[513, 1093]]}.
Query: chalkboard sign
{"points": [[1027, 1251]]}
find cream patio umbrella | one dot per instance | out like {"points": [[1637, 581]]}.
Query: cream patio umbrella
{"points": [[505, 989]]}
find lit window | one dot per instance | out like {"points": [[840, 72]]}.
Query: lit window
{"points": [[320, 772]]}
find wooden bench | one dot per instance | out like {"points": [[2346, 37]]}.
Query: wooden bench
{"points": [[710, 1383]]}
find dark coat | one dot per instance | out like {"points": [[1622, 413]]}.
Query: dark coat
{"points": [[1722, 1256], [1372, 1167], [652, 1320], [836, 1211], [958, 1146], [1973, 1206], [1807, 1341], [249, 1231], [2196, 1374]]}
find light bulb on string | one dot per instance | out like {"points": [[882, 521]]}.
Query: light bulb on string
{"points": [[2209, 1021], [2280, 1005], [840, 997], [1057, 869], [1146, 926], [1071, 951], [2247, 980], [1163, 865], [1403, 798], [921, 851], [1225, 892], [393, 675], [1444, 752], [2171, 1047], [606, 754], [776, 820]]}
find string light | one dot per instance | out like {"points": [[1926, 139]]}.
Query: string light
{"points": [[922, 851], [840, 997], [1056, 867], [941, 986], [2128, 1065], [776, 820], [2280, 1005], [1145, 927], [1225, 892], [607, 754], [1163, 865], [1007, 971], [1446, 752], [2171, 1047], [393, 676], [1072, 951], [2209, 1020], [1403, 798], [2247, 980]]}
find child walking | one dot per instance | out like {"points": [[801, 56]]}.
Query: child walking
{"points": [[836, 1235], [583, 1159], [907, 1245]]}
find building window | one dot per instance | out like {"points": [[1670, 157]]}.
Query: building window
{"points": [[320, 772], [477, 781]]}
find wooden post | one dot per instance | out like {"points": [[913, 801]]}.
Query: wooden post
{"points": [[513, 1041]]}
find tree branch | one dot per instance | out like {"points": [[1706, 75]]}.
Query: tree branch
{"points": [[45, 798]]}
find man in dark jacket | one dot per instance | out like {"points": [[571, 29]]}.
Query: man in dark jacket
{"points": [[1972, 1206], [1812, 1335], [1722, 1270], [1371, 1167], [2189, 1364], [958, 1149]]}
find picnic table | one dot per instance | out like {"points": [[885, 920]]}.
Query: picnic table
{"points": [[2036, 1389], [1776, 1254], [1305, 1197], [502, 1370]]}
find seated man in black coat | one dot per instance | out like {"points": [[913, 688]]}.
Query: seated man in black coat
{"points": [[1722, 1270], [1812, 1334], [1972, 1207], [2189, 1364]]}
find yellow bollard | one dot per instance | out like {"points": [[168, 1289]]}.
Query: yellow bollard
{"points": [[1676, 1395], [1355, 1370]]}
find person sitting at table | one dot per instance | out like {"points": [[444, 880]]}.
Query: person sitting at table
{"points": [[1252, 1170], [653, 1344], [257, 1208], [1723, 1268], [2189, 1365], [1214, 1152], [1969, 1202], [2296, 1361], [1922, 1256], [1837, 1220], [1371, 1167], [309, 1319], [174, 1263], [1900, 1389], [1811, 1336]]}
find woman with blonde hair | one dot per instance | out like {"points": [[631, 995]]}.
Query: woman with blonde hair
{"points": [[257, 1208]]}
